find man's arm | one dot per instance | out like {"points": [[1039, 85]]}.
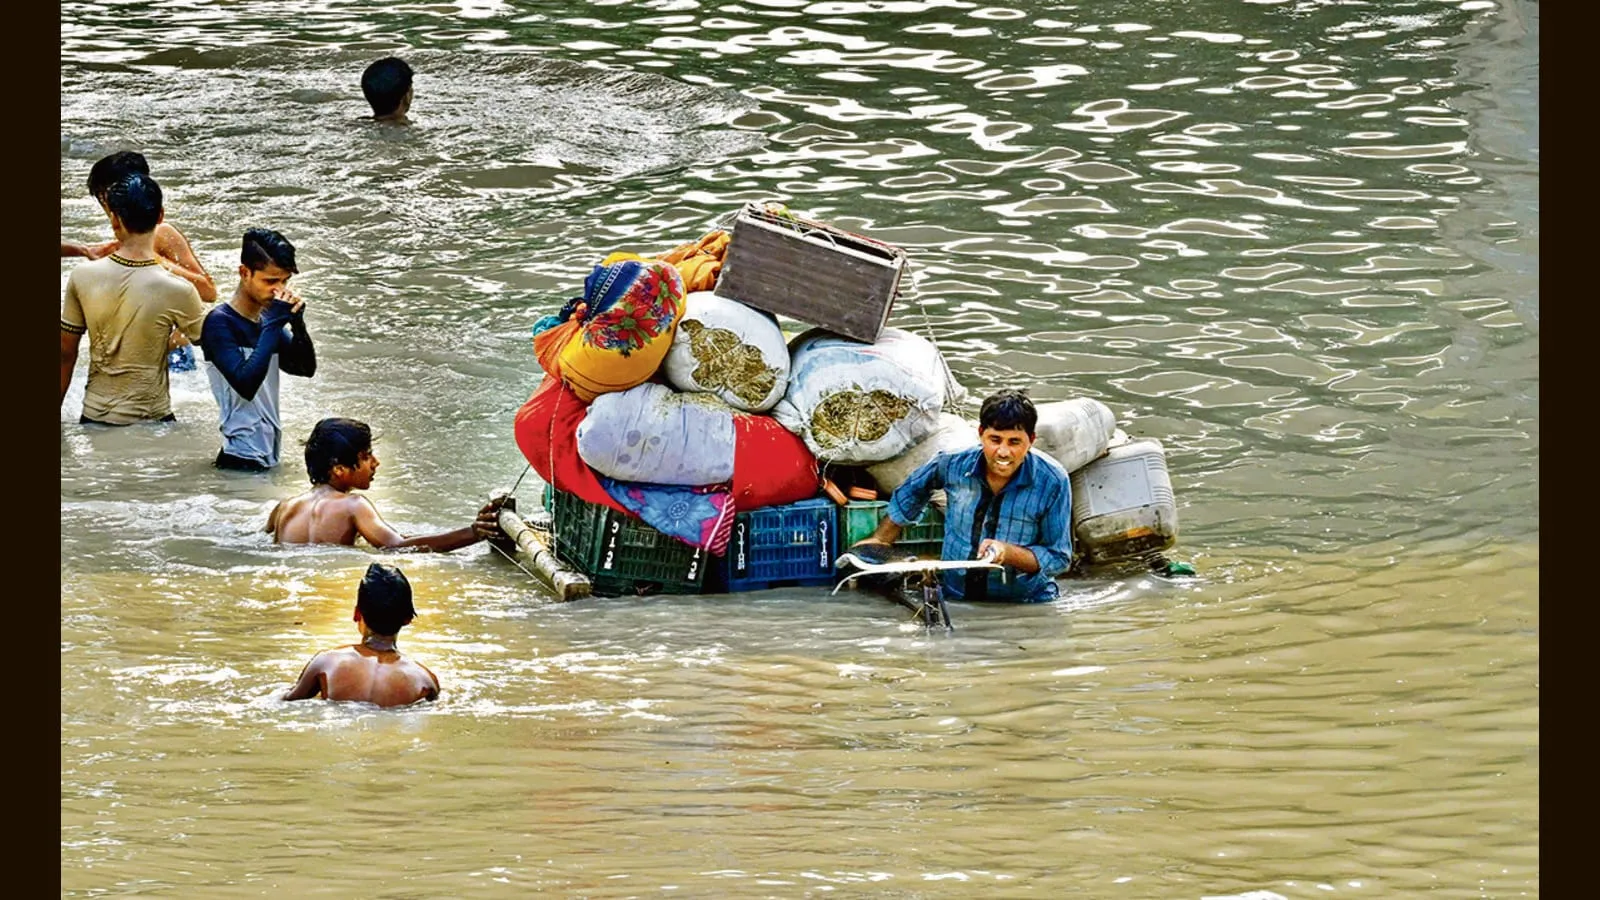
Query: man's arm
{"points": [[313, 681], [378, 533], [1015, 556], [910, 499], [178, 258], [189, 316], [89, 251], [887, 532], [222, 348], [434, 693]]}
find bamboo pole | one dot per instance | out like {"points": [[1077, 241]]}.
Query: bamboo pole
{"points": [[566, 582]]}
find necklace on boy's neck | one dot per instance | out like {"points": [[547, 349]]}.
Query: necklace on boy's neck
{"points": [[381, 644]]}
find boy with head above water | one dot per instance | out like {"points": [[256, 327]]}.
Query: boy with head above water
{"points": [[173, 251], [387, 86], [372, 671], [339, 461]]}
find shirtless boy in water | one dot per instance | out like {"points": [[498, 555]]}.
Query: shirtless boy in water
{"points": [[372, 671], [339, 461]]}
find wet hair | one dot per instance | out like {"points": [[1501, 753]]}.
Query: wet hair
{"points": [[1007, 409], [335, 442], [385, 83], [384, 599], [263, 246], [109, 170], [136, 200]]}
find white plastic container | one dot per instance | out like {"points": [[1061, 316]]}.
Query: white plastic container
{"points": [[1074, 432], [1122, 503]]}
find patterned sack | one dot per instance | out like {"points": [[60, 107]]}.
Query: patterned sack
{"points": [[728, 349], [616, 335]]}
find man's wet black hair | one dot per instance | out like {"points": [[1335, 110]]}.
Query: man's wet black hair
{"points": [[263, 246], [1007, 409], [136, 200], [385, 83], [335, 442], [384, 599], [109, 170]]}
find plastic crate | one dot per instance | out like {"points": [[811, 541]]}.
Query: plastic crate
{"points": [[622, 555], [780, 546], [923, 538]]}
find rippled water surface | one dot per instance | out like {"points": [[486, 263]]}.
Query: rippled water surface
{"points": [[1297, 242]]}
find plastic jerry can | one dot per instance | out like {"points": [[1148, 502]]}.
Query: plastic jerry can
{"points": [[1075, 431], [1122, 503]]}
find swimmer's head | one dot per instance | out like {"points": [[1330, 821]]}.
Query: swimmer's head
{"points": [[387, 86], [111, 169], [336, 442], [136, 202], [383, 600]]}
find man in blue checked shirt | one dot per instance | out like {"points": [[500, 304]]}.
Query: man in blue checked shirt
{"points": [[1000, 498]]}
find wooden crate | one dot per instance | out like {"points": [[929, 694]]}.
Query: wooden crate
{"points": [[811, 271]]}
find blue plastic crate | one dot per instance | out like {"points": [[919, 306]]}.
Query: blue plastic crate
{"points": [[780, 546]]}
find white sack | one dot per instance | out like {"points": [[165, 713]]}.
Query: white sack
{"points": [[856, 403], [651, 434], [726, 348]]}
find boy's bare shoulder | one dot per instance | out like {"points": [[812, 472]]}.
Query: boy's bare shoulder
{"points": [[283, 512], [356, 501], [415, 682], [334, 656], [288, 505]]}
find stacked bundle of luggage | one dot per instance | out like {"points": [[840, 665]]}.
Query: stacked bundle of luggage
{"points": [[690, 445]]}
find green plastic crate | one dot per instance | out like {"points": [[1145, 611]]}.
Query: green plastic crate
{"points": [[620, 554], [923, 538]]}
